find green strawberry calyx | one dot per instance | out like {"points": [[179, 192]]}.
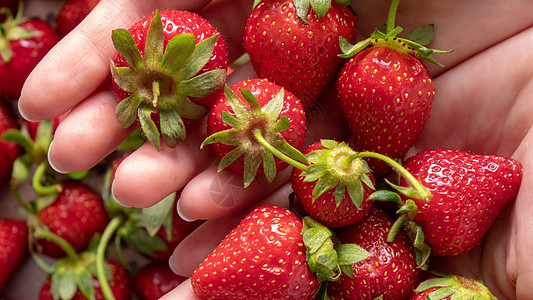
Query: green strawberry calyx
{"points": [[414, 43], [11, 31], [255, 133], [456, 286], [325, 257], [163, 81], [320, 7]]}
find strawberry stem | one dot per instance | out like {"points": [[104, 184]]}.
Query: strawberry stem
{"points": [[391, 19], [100, 256], [277, 153], [37, 184], [71, 253], [421, 191]]}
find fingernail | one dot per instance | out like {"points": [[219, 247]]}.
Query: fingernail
{"points": [[51, 161], [115, 197], [180, 213], [173, 266], [22, 113]]}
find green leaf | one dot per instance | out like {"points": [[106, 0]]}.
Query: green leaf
{"points": [[204, 84], [323, 185], [256, 2], [127, 47], [63, 284], [172, 127], [200, 56], [386, 195], [153, 49], [230, 157], [320, 7], [125, 78], [339, 193], [21, 169], [329, 144], [251, 100], [188, 109], [314, 238], [290, 151], [422, 35], [356, 192], [126, 110], [84, 282], [148, 127], [434, 282], [274, 107], [315, 172], [251, 164], [350, 50], [241, 111], [269, 165], [154, 216], [302, 9], [281, 125], [227, 137], [230, 120], [16, 136], [443, 293], [141, 241], [178, 50], [349, 254]]}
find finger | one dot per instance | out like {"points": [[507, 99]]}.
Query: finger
{"points": [[198, 244], [212, 194], [181, 292], [88, 133], [146, 176]]}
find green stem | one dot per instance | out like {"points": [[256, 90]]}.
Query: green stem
{"points": [[277, 153], [417, 185], [20, 200], [71, 253], [395, 227], [37, 184], [100, 257], [391, 19]]}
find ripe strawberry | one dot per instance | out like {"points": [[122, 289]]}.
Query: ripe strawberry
{"points": [[13, 247], [71, 13], [335, 188], [390, 272], [169, 66], [119, 284], [75, 215], [251, 111], [386, 92], [23, 42], [468, 193], [263, 257], [9, 151], [451, 287], [296, 47], [154, 280]]}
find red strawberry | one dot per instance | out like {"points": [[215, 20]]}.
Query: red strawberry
{"points": [[9, 151], [468, 193], [263, 257], [451, 287], [13, 247], [119, 284], [23, 42], [386, 92], [390, 272], [154, 280], [72, 12], [298, 48], [335, 188], [249, 109], [76, 215], [169, 66]]}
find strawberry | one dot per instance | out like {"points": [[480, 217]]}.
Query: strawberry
{"points": [[23, 42], [32, 127], [9, 151], [386, 92], [71, 13], [451, 287], [119, 284], [335, 187], [13, 247], [468, 193], [254, 119], [154, 280], [263, 257], [76, 214], [169, 66], [297, 47], [390, 272]]}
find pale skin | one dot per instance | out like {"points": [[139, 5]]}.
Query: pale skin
{"points": [[482, 105]]}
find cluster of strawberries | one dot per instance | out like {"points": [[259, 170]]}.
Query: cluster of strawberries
{"points": [[340, 239]]}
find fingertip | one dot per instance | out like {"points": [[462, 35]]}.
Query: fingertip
{"points": [[52, 162], [182, 214], [117, 199]]}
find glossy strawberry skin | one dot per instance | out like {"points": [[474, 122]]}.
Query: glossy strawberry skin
{"points": [[390, 272], [72, 13], [263, 90], [324, 208], [119, 284], [9, 151], [264, 254], [301, 58], [154, 280], [76, 215], [174, 23], [26, 54], [386, 97], [13, 247], [469, 191]]}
